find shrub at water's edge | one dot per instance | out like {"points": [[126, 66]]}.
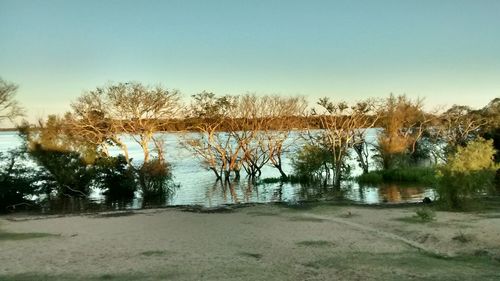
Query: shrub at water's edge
{"points": [[115, 177], [16, 181], [422, 175], [469, 173]]}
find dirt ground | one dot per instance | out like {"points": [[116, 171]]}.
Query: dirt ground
{"points": [[263, 242]]}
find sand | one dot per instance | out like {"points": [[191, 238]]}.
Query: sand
{"points": [[263, 242]]}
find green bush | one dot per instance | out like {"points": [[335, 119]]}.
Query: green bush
{"points": [[65, 172], [154, 179], [16, 181], [373, 177], [116, 177], [315, 164], [469, 173], [293, 179], [311, 161]]}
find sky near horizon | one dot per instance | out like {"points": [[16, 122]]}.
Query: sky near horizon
{"points": [[445, 51]]}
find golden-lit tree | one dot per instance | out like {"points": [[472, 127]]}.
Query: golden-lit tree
{"points": [[103, 116], [241, 132], [141, 111], [403, 123]]}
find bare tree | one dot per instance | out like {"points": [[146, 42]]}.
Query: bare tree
{"points": [[283, 116], [9, 107], [210, 140], [340, 125], [244, 125], [362, 149], [459, 124], [241, 132]]}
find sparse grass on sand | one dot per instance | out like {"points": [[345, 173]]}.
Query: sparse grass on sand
{"points": [[310, 241]]}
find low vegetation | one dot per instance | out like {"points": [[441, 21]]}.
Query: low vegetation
{"points": [[468, 174], [422, 175], [425, 214], [5, 236], [234, 135]]}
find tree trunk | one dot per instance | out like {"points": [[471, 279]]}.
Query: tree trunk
{"points": [[217, 175], [124, 148], [280, 169], [145, 149], [338, 175]]}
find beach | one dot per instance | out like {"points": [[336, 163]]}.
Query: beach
{"points": [[259, 242]]}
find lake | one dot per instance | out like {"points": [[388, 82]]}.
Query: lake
{"points": [[197, 186]]}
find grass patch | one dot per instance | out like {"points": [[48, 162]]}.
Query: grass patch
{"points": [[400, 175], [250, 255], [316, 243], [78, 277], [462, 237], [413, 219], [262, 214], [23, 236], [422, 215], [115, 214], [409, 266], [373, 177], [305, 219], [157, 253]]}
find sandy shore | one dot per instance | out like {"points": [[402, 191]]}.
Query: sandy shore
{"points": [[265, 242]]}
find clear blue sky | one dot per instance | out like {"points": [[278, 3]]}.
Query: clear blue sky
{"points": [[445, 51]]}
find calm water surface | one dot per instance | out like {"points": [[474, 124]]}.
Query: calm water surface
{"points": [[197, 186]]}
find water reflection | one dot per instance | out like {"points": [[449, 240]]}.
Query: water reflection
{"points": [[390, 193], [196, 186], [396, 193], [221, 193]]}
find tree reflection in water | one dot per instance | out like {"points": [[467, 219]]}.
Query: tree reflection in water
{"points": [[393, 193]]}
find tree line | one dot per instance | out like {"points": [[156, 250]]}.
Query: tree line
{"points": [[231, 135]]}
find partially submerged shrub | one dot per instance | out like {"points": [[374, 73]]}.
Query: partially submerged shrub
{"points": [[372, 177], [314, 163], [293, 179], [311, 161], [65, 172], [116, 177], [16, 181], [469, 173], [421, 175], [154, 178]]}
